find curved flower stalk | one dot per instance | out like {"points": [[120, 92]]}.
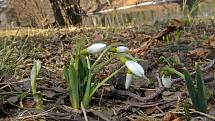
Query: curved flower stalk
{"points": [[94, 49], [166, 81]]}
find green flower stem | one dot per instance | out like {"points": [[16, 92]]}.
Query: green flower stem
{"points": [[104, 64], [100, 57], [169, 69], [88, 62], [105, 80], [87, 98], [122, 59], [102, 54]]}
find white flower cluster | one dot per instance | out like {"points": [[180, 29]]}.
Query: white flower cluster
{"points": [[133, 67]]}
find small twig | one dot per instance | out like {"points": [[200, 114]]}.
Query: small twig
{"points": [[137, 97], [84, 112], [203, 114], [37, 115], [145, 105], [208, 66], [159, 80], [158, 108], [100, 100]]}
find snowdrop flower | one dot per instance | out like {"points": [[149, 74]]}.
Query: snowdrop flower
{"points": [[122, 49], [135, 68], [94, 49], [166, 81], [128, 80]]}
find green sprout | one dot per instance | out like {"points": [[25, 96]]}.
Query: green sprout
{"points": [[196, 91], [34, 74], [196, 88]]}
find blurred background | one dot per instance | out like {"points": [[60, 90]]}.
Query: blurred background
{"points": [[54, 13]]}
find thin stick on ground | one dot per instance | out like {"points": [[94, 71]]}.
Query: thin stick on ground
{"points": [[203, 114], [84, 112]]}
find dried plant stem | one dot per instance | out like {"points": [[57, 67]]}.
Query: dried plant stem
{"points": [[203, 114]]}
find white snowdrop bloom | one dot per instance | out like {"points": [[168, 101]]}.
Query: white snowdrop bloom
{"points": [[128, 80], [166, 81], [135, 68], [122, 49], [96, 48]]}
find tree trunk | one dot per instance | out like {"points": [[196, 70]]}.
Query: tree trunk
{"points": [[57, 12], [72, 11]]}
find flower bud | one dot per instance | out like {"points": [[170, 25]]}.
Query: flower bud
{"points": [[96, 48], [166, 81], [122, 49]]}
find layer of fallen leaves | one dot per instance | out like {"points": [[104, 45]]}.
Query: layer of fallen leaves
{"points": [[112, 102]]}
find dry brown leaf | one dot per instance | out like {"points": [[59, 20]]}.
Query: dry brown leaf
{"points": [[178, 119], [169, 116], [210, 41], [199, 52]]}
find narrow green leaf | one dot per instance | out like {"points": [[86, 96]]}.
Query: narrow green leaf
{"points": [[70, 76], [191, 88], [202, 104]]}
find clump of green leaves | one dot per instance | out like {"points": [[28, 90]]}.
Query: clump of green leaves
{"points": [[196, 90]]}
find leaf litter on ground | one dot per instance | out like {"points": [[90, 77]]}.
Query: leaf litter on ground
{"points": [[114, 102]]}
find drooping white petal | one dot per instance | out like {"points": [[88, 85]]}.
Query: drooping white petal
{"points": [[128, 80], [96, 48], [135, 68], [166, 81], [122, 49]]}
